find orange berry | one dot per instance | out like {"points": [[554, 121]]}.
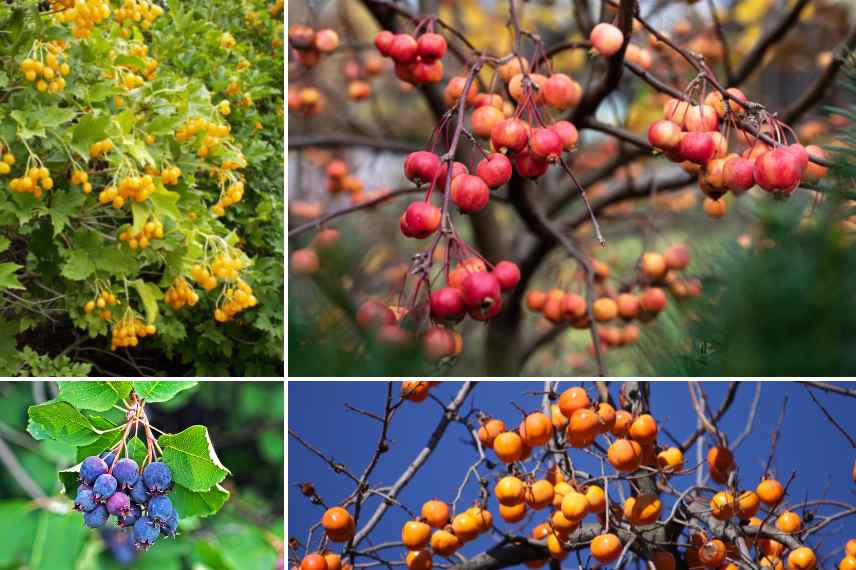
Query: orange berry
{"points": [[770, 491], [415, 535], [540, 494], [624, 454], [510, 491], [722, 505], [512, 514], [802, 558], [536, 429], [508, 447], [489, 430], [313, 562], [605, 548], [670, 460], [436, 513], [575, 506], [789, 522], [712, 553], [642, 509], [444, 543], [644, 429], [623, 419], [573, 399]]}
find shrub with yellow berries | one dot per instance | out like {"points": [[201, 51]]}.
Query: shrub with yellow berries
{"points": [[152, 230]]}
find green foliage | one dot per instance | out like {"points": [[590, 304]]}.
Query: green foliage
{"points": [[59, 250]]}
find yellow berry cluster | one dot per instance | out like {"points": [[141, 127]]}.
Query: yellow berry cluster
{"points": [[129, 330], [170, 175], [233, 88], [102, 301], [227, 40], [8, 159], [136, 187], [276, 9], [84, 15], [180, 293], [138, 11], [81, 178], [224, 107], [152, 230], [214, 134], [150, 64], [246, 101], [99, 148], [36, 179], [129, 80], [238, 298], [232, 195], [48, 75], [243, 65], [203, 276], [223, 267], [228, 164]]}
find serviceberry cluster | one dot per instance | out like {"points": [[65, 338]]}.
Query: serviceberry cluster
{"points": [[136, 497]]}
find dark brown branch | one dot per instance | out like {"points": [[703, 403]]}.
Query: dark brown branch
{"points": [[831, 418], [819, 88], [318, 222], [832, 388], [756, 55], [617, 132], [723, 407], [545, 338]]}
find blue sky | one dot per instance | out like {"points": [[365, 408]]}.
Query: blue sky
{"points": [[808, 443]]}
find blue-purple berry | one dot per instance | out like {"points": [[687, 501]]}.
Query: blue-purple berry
{"points": [[132, 517], [127, 473], [109, 457], [171, 526], [119, 504], [138, 492], [97, 517], [91, 469], [145, 533], [104, 487], [157, 478], [84, 501], [160, 510]]}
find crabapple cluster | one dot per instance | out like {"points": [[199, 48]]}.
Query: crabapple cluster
{"points": [[128, 331], [180, 293], [310, 44], [34, 181], [359, 72], [307, 100], [656, 272], [306, 261], [104, 299], [137, 498], [339, 179], [151, 230], [696, 137], [417, 60], [47, 68]]}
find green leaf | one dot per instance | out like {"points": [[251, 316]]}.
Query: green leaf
{"points": [[160, 390], [98, 396], [194, 462], [17, 528], [63, 422], [78, 266], [165, 202], [89, 130], [198, 504], [63, 206], [52, 117], [4, 243], [8, 280], [58, 541], [149, 294]]}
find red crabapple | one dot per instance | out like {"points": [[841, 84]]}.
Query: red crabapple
{"points": [[567, 133], [304, 261], [431, 46], [510, 134], [606, 39], [701, 118], [421, 219], [383, 41], [481, 289], [447, 305], [529, 166], [458, 168], [561, 92], [664, 134], [738, 174], [678, 257], [545, 144], [470, 193], [495, 170], [455, 88], [421, 166], [427, 71], [438, 343], [508, 274], [326, 40], [373, 314], [778, 169], [697, 147], [484, 118], [403, 48], [653, 300], [814, 172]]}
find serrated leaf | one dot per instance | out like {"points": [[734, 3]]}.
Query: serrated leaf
{"points": [[8, 280], [198, 504], [89, 130], [98, 396], [160, 390], [193, 460], [78, 266], [149, 294], [63, 422]]}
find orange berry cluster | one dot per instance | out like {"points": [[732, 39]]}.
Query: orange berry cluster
{"points": [[170, 175], [84, 15], [138, 11], [214, 134], [48, 75], [152, 230], [227, 40], [136, 187], [7, 159], [97, 149], [128, 331], [180, 293], [340, 179], [81, 178], [224, 107], [238, 298], [33, 182], [232, 195], [310, 44], [102, 301]]}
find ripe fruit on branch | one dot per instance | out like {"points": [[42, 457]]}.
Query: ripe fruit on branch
{"points": [[653, 300], [338, 524], [517, 87], [545, 144], [374, 314], [814, 172], [439, 343], [508, 274], [644, 429], [606, 39], [677, 257], [701, 118], [484, 118], [540, 494], [495, 169], [470, 193], [770, 491], [435, 513], [421, 166], [561, 92], [574, 506], [625, 455], [420, 220], [509, 491], [654, 265], [528, 165], [778, 170], [664, 134], [419, 560], [714, 208], [444, 543], [431, 46], [512, 67], [455, 88], [508, 447], [509, 135], [415, 535], [642, 509], [489, 430], [604, 309], [697, 147], [536, 429], [670, 460], [738, 174], [481, 290], [712, 553], [447, 305], [567, 134], [304, 262], [605, 547], [403, 48], [573, 306]]}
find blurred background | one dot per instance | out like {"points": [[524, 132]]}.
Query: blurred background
{"points": [[808, 445], [761, 310], [244, 420]]}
